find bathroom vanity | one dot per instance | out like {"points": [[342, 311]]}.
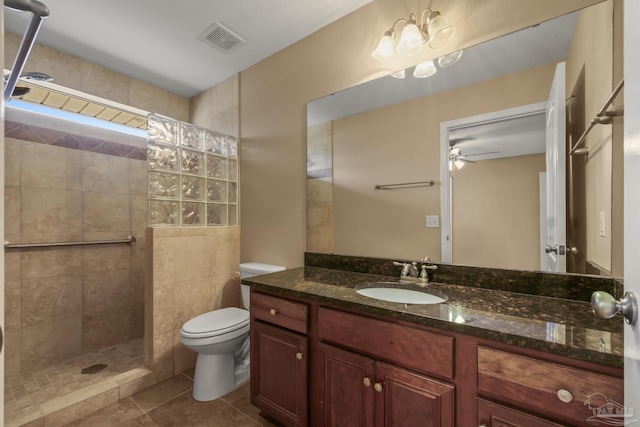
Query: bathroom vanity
{"points": [[324, 355]]}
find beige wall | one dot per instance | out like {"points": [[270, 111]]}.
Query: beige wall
{"points": [[275, 91], [401, 143], [71, 72], [496, 213], [592, 48]]}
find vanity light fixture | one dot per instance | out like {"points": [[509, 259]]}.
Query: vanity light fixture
{"points": [[398, 74], [432, 29], [449, 59], [424, 70]]}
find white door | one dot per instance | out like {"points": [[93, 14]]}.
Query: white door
{"points": [[632, 198], [556, 158]]}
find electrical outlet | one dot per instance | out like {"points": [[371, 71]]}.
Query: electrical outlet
{"points": [[602, 224], [433, 221]]}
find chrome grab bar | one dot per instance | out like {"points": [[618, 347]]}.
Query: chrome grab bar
{"points": [[129, 240], [40, 11]]}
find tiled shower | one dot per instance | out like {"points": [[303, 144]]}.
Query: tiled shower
{"points": [[65, 303]]}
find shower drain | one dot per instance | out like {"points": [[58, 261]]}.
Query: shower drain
{"points": [[93, 369]]}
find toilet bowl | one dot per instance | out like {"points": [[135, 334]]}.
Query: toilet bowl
{"points": [[221, 339]]}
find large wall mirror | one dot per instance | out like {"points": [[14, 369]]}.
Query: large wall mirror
{"points": [[471, 143]]}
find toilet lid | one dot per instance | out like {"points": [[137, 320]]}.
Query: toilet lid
{"points": [[218, 321]]}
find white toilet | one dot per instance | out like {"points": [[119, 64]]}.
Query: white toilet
{"points": [[221, 339]]}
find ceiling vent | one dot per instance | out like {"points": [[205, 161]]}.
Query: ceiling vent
{"points": [[221, 38]]}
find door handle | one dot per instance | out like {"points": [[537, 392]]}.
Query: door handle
{"points": [[557, 249], [605, 306]]}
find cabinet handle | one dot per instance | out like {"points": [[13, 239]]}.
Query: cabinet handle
{"points": [[367, 382], [273, 312], [299, 356], [377, 387], [565, 396]]}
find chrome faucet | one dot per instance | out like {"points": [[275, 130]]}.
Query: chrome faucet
{"points": [[411, 273]]}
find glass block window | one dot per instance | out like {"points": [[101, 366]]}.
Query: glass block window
{"points": [[193, 175]]}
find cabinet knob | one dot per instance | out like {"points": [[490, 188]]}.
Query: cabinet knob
{"points": [[565, 396], [377, 387], [299, 356], [367, 382], [273, 312]]}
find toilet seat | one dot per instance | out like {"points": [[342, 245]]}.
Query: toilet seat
{"points": [[216, 322]]}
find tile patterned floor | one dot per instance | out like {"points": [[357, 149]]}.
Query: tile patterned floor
{"points": [[25, 391], [171, 403]]}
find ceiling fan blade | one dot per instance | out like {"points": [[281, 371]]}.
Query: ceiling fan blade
{"points": [[463, 159], [481, 154]]}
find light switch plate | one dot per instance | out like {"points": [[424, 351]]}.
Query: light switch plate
{"points": [[433, 221]]}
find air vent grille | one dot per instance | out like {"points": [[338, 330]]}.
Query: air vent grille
{"points": [[221, 38]]}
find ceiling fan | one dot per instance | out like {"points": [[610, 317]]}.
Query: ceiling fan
{"points": [[457, 159]]}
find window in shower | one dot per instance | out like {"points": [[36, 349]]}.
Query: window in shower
{"points": [[193, 175]]}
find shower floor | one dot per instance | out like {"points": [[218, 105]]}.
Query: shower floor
{"points": [[24, 393]]}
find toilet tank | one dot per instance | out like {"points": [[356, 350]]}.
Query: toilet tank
{"points": [[250, 269]]}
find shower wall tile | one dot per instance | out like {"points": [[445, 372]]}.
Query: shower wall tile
{"points": [[105, 328], [46, 166], [51, 262], [105, 258], [45, 210], [105, 290], [136, 321], [12, 264], [105, 212], [193, 298], [138, 177], [12, 306], [38, 294], [48, 343], [12, 359], [105, 174], [12, 202], [104, 83], [11, 161], [184, 359], [191, 258], [139, 213]]}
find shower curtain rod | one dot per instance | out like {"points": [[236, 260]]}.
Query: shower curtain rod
{"points": [[129, 240]]}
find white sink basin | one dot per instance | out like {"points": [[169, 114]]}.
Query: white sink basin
{"points": [[405, 296]]}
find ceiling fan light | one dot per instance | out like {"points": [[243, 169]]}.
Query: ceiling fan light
{"points": [[424, 70], [459, 164], [440, 31], [386, 48], [410, 41]]}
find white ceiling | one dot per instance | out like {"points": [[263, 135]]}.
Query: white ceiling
{"points": [[156, 40]]}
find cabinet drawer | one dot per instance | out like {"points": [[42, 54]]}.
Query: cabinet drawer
{"points": [[419, 350], [281, 312], [539, 385], [492, 415]]}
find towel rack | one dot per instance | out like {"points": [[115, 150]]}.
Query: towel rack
{"points": [[129, 240], [602, 116], [406, 184], [40, 11]]}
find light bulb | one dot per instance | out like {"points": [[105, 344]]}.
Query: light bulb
{"points": [[410, 40], [440, 31], [424, 70], [449, 59], [386, 48]]}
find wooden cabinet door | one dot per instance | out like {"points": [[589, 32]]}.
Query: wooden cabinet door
{"points": [[347, 388], [279, 366], [406, 399], [492, 415]]}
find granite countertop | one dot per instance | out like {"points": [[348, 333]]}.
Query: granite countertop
{"points": [[554, 325]]}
